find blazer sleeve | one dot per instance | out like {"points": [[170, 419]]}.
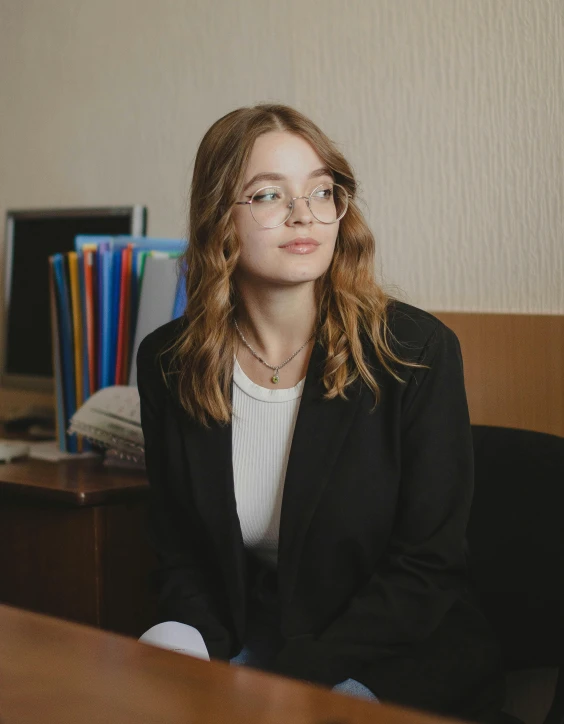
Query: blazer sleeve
{"points": [[185, 590], [425, 566]]}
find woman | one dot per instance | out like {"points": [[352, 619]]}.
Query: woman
{"points": [[307, 439]]}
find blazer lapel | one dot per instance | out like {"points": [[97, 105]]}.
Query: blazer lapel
{"points": [[209, 458], [321, 428]]}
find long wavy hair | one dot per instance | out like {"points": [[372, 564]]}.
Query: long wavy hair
{"points": [[349, 301]]}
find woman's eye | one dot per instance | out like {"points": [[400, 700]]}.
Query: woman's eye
{"points": [[266, 197], [323, 194]]}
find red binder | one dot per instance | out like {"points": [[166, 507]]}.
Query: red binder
{"points": [[122, 357], [89, 252]]}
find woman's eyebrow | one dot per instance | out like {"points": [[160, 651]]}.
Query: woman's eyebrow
{"points": [[271, 176]]}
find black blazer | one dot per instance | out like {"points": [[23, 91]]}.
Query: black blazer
{"points": [[372, 564]]}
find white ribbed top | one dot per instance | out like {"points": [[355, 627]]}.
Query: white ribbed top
{"points": [[262, 429]]}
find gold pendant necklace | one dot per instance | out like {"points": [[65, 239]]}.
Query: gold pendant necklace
{"points": [[275, 377]]}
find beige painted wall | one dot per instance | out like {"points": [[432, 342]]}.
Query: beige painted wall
{"points": [[451, 111]]}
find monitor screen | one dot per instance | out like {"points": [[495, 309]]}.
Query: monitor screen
{"points": [[31, 237]]}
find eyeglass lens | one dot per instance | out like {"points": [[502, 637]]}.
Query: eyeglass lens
{"points": [[272, 206]]}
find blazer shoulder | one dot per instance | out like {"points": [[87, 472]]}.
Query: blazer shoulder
{"points": [[414, 331], [155, 345]]}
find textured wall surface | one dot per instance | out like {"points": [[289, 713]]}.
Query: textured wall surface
{"points": [[451, 111]]}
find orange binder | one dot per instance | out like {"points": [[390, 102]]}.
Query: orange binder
{"points": [[128, 303]]}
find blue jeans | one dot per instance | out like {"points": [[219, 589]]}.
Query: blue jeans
{"points": [[263, 641]]}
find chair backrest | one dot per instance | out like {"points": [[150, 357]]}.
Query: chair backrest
{"points": [[515, 536]]}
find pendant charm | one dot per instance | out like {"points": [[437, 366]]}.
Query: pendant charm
{"points": [[275, 379]]}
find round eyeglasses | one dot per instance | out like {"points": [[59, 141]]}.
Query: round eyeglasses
{"points": [[272, 206]]}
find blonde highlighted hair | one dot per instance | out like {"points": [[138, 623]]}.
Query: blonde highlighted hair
{"points": [[349, 300]]}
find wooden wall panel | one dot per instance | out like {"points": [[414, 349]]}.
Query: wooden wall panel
{"points": [[514, 368]]}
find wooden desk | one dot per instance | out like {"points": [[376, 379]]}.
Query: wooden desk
{"points": [[55, 672], [72, 543]]}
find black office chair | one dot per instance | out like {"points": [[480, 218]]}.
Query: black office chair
{"points": [[515, 537]]}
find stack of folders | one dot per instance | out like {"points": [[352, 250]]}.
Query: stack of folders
{"points": [[105, 297]]}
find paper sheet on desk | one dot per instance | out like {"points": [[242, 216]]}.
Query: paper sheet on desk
{"points": [[49, 450], [177, 637]]}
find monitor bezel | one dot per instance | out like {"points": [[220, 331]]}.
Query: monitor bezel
{"points": [[138, 218]]}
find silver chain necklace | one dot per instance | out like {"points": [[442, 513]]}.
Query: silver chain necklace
{"points": [[275, 378]]}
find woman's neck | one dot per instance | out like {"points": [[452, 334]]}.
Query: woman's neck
{"points": [[277, 322]]}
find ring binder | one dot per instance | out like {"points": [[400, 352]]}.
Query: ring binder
{"points": [[96, 293]]}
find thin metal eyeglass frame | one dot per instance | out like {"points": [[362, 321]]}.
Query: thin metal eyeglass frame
{"points": [[291, 207]]}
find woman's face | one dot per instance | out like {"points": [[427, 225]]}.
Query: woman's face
{"points": [[288, 161]]}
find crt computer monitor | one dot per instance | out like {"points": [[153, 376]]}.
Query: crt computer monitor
{"points": [[31, 237]]}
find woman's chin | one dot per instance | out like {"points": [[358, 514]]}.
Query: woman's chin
{"points": [[286, 274]]}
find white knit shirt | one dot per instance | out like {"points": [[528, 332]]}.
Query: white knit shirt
{"points": [[262, 429]]}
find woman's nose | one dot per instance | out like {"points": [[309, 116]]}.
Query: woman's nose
{"points": [[300, 213]]}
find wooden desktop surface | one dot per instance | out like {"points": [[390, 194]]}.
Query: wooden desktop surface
{"points": [[55, 672], [75, 482]]}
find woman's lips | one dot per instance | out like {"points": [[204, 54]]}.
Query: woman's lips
{"points": [[301, 246]]}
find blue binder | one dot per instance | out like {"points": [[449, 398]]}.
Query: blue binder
{"points": [[108, 286], [180, 300], [148, 243], [105, 318], [85, 373], [114, 312]]}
